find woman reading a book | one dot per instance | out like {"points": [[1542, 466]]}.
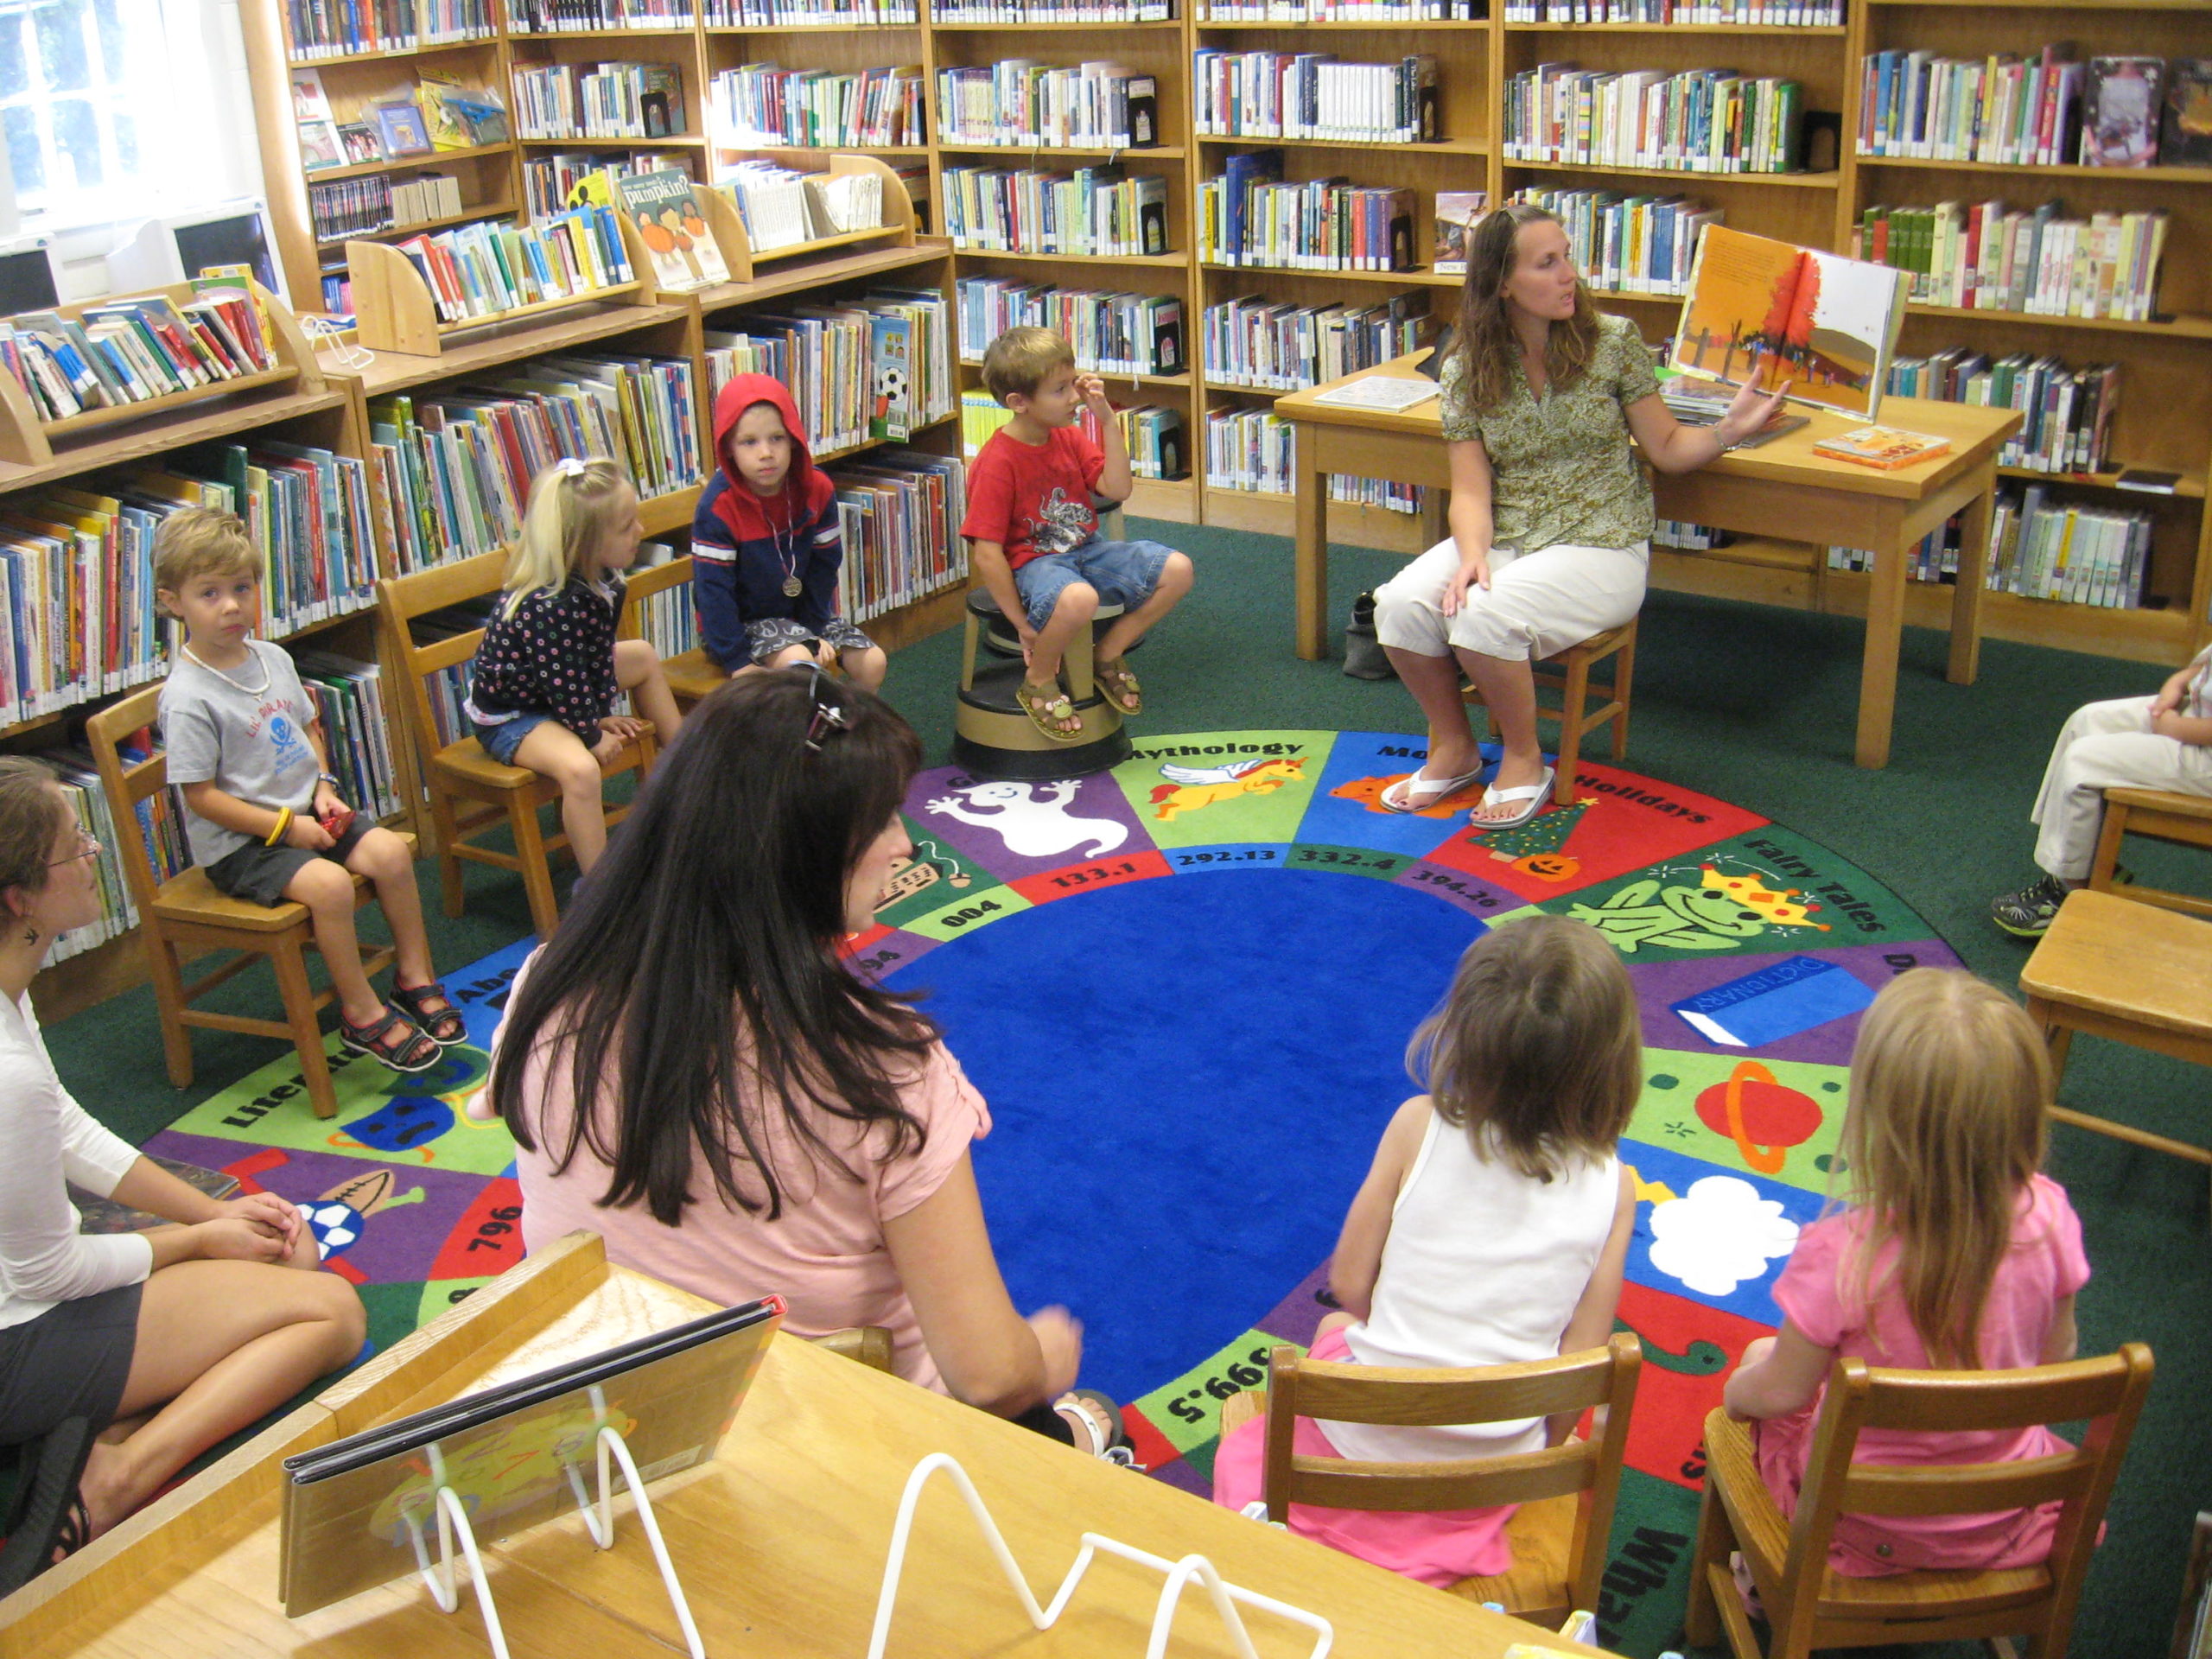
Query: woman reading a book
{"points": [[1551, 512], [756, 1116]]}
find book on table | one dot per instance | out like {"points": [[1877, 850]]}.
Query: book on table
{"points": [[1883, 447], [1824, 327], [1382, 392]]}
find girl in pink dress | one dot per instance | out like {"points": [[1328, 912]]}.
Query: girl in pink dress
{"points": [[1957, 1253], [1492, 1229]]}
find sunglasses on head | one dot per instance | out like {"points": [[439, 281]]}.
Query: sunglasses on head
{"points": [[828, 717]]}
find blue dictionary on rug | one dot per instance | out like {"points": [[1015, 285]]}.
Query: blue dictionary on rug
{"points": [[1776, 1003]]}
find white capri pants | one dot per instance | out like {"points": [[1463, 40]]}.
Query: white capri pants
{"points": [[1535, 607], [2105, 746]]}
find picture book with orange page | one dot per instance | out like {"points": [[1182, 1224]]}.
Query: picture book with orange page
{"points": [[1825, 326]]}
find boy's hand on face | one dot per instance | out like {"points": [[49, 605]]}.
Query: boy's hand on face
{"points": [[1092, 390]]}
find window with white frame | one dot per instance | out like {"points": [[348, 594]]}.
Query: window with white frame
{"points": [[116, 108]]}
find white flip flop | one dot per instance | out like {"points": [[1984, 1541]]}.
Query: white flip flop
{"points": [[1538, 796], [1435, 791]]}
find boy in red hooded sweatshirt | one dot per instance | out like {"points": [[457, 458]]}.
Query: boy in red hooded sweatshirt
{"points": [[766, 545]]}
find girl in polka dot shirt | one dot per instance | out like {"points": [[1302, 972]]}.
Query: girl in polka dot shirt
{"points": [[550, 668]]}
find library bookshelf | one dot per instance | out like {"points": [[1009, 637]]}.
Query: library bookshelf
{"points": [[2164, 416]]}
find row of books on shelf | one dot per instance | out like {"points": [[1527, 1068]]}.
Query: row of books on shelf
{"points": [[1153, 435], [812, 14], [761, 103], [1102, 211], [572, 178], [1630, 244], [666, 620], [1052, 11], [1020, 101], [1269, 346], [1255, 450], [76, 613], [1687, 538], [599, 100], [2044, 111], [456, 467], [567, 16], [133, 350], [2069, 411], [366, 206], [1339, 11], [1311, 95], [335, 29], [901, 513], [1981, 256], [875, 367], [782, 207], [159, 824], [1249, 216], [1696, 121], [2041, 549], [443, 112], [481, 271], [1109, 333], [1757, 13]]}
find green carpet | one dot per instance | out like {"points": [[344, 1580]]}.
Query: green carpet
{"points": [[1756, 706]]}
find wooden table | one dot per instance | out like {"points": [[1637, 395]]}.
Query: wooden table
{"points": [[780, 1541], [1780, 489]]}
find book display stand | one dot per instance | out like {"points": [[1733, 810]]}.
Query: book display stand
{"points": [[398, 312], [1190, 1569]]}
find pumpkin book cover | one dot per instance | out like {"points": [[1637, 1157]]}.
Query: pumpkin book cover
{"points": [[666, 214], [1825, 325]]}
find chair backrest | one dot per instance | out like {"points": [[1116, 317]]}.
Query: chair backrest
{"points": [[400, 600], [1602, 1380], [643, 583], [2107, 1393], [128, 783]]}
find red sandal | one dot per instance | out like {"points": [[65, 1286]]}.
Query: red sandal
{"points": [[443, 1025], [393, 1039]]}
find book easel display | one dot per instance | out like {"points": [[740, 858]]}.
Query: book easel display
{"points": [[397, 310]]}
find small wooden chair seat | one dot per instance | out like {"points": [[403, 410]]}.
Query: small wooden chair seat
{"points": [[185, 915], [2132, 972], [692, 675], [1541, 1537], [1569, 674], [2162, 815]]}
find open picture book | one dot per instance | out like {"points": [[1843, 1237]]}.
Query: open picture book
{"points": [[1827, 326]]}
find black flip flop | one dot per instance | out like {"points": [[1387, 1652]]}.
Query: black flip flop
{"points": [[49, 1515]]}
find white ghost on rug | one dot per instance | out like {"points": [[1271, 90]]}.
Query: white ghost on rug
{"points": [[1033, 820], [1719, 1234]]}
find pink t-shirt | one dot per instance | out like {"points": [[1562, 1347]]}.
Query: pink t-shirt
{"points": [[824, 1256], [1819, 1292]]}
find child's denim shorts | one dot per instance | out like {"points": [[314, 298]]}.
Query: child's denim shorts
{"points": [[501, 740], [1124, 573]]}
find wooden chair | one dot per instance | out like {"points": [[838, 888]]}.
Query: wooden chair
{"points": [[1569, 674], [471, 794], [2163, 815], [691, 674], [186, 915], [1566, 1492], [869, 1344], [2131, 972], [1809, 1605]]}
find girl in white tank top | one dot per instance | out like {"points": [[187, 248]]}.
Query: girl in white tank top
{"points": [[1492, 1227]]}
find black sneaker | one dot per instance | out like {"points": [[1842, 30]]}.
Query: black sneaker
{"points": [[2026, 914]]}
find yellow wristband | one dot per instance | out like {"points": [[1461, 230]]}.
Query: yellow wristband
{"points": [[284, 824]]}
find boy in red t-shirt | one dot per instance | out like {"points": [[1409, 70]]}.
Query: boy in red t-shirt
{"points": [[1034, 538]]}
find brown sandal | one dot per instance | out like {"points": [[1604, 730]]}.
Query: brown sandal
{"points": [[1048, 713], [1117, 685], [393, 1039], [442, 1024]]}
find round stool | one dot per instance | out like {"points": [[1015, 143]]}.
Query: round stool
{"points": [[995, 738]]}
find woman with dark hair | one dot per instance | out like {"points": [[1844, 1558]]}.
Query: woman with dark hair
{"points": [[1551, 514], [195, 1329], [758, 1118]]}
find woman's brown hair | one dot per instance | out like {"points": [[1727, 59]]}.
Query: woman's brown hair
{"points": [[31, 815], [1489, 350], [1537, 1050], [1950, 1084]]}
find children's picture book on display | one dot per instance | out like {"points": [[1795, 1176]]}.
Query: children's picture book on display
{"points": [[2185, 130], [2120, 111], [666, 213], [399, 124], [1825, 326], [891, 362], [1456, 213]]}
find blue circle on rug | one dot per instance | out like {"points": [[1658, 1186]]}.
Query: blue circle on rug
{"points": [[1186, 1078]]}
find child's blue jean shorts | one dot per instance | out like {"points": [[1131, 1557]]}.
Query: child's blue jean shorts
{"points": [[501, 740], [1124, 573]]}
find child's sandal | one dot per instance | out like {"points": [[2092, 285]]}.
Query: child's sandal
{"points": [[442, 1025], [393, 1039], [1117, 685]]}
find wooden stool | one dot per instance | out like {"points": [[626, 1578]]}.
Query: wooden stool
{"points": [[2163, 815], [2130, 972], [994, 739], [1571, 679]]}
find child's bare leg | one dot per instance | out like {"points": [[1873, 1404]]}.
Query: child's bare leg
{"points": [[551, 750], [865, 668], [638, 670], [1076, 604], [218, 1345], [384, 858], [789, 657], [1175, 578], [327, 890]]}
